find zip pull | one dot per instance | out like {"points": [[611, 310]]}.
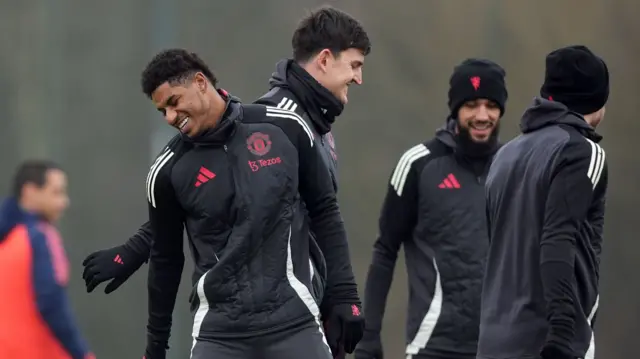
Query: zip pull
{"points": [[225, 148]]}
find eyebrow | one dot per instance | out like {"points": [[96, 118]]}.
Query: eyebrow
{"points": [[167, 101]]}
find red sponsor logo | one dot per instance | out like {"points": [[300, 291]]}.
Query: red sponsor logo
{"points": [[258, 164]]}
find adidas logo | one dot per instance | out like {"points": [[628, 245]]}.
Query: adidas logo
{"points": [[204, 176], [449, 182], [118, 259]]}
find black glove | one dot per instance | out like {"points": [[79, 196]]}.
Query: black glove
{"points": [[553, 351], [155, 351], [370, 347], [344, 327], [117, 263], [558, 342]]}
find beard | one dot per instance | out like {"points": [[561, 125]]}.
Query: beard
{"points": [[474, 148]]}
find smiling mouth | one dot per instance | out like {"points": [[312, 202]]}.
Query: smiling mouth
{"points": [[481, 125], [183, 123]]}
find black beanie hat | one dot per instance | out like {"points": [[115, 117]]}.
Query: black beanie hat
{"points": [[474, 79], [577, 78]]}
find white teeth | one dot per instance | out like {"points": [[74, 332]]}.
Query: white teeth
{"points": [[183, 123], [481, 126]]}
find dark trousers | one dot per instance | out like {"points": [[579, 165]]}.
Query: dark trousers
{"points": [[301, 343]]}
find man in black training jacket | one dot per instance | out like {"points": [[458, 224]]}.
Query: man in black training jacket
{"points": [[235, 177], [329, 47], [545, 207], [435, 207]]}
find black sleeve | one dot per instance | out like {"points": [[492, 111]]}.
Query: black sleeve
{"points": [[316, 190], [397, 220], [596, 213], [487, 221], [141, 241], [570, 196], [167, 258]]}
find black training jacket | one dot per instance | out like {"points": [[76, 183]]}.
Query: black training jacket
{"points": [[545, 206], [316, 106], [435, 207], [237, 191], [304, 97]]}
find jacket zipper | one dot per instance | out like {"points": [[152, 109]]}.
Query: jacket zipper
{"points": [[233, 176], [239, 194]]}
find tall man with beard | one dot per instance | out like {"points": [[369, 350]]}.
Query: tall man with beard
{"points": [[435, 207]]}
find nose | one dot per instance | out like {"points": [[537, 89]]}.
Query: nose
{"points": [[483, 113], [171, 116], [357, 78]]}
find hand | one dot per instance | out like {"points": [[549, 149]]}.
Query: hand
{"points": [[553, 351], [344, 327], [117, 263], [370, 347], [155, 351]]}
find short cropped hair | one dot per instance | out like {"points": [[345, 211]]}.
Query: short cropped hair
{"points": [[34, 172], [328, 28], [173, 66]]}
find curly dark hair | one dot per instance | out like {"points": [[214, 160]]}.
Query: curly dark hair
{"points": [[328, 28], [174, 66]]}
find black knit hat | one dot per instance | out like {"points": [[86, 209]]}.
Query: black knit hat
{"points": [[474, 79], [577, 78]]}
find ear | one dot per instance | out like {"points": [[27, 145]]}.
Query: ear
{"points": [[201, 81], [28, 190], [323, 59]]}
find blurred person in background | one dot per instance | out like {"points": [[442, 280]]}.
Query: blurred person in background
{"points": [[35, 314], [235, 177], [545, 205], [435, 207], [329, 47]]}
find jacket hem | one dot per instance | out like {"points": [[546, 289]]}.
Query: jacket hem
{"points": [[239, 333]]}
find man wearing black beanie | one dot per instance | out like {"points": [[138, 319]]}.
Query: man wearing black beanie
{"points": [[578, 79], [435, 206], [545, 207]]}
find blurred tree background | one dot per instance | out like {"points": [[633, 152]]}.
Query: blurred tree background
{"points": [[70, 80]]}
